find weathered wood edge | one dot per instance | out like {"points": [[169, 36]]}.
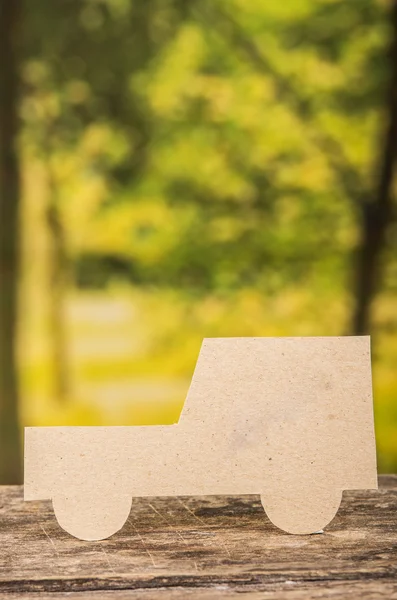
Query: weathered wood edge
{"points": [[375, 565]]}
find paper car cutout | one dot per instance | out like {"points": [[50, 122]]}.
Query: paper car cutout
{"points": [[290, 419]]}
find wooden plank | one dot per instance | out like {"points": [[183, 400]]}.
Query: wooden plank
{"points": [[205, 547]]}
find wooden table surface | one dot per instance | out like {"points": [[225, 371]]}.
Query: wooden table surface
{"points": [[206, 547]]}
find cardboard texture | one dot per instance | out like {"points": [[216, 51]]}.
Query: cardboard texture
{"points": [[290, 419]]}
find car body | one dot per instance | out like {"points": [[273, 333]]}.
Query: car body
{"points": [[290, 419]]}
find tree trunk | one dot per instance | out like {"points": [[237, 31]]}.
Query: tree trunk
{"points": [[58, 277], [10, 451], [378, 214]]}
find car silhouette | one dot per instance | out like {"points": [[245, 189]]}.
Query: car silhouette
{"points": [[289, 419]]}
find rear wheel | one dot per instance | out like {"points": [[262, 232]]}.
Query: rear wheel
{"points": [[91, 515], [304, 511]]}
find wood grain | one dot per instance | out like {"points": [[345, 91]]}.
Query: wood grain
{"points": [[202, 547]]}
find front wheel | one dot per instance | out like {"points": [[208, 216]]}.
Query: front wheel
{"points": [[90, 515], [303, 511]]}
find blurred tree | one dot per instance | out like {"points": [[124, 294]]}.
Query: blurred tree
{"points": [[378, 214], [207, 146], [324, 32], [59, 281], [232, 117], [81, 69], [10, 455]]}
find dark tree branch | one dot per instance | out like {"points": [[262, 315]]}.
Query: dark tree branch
{"points": [[380, 213]]}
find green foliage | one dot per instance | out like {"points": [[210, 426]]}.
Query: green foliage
{"points": [[230, 132]]}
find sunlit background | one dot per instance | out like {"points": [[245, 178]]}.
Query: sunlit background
{"points": [[199, 168]]}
